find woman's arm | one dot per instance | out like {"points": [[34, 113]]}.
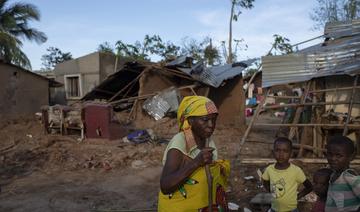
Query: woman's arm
{"points": [[174, 174]]}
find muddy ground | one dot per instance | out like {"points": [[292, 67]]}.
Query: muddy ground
{"points": [[40, 172]]}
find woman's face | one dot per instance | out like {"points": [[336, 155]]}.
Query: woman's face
{"points": [[203, 126]]}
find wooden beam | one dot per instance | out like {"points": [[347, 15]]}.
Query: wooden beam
{"points": [[129, 84], [148, 95], [257, 112], [350, 107], [253, 76], [104, 91], [304, 160], [309, 104], [285, 97], [133, 98], [353, 126], [334, 89], [298, 111], [308, 147]]}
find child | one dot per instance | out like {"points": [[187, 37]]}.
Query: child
{"points": [[282, 179], [344, 186], [321, 182]]}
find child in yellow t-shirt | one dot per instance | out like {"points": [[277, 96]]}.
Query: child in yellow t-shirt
{"points": [[282, 179]]}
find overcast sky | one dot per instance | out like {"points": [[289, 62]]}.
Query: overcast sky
{"points": [[79, 26]]}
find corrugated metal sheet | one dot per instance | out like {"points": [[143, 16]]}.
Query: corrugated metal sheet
{"points": [[342, 29], [339, 56], [214, 76], [182, 61]]}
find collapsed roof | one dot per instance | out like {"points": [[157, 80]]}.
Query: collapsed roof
{"points": [[125, 83]]}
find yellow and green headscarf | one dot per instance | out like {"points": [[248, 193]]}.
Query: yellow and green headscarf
{"points": [[194, 106]]}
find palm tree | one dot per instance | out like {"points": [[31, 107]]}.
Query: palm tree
{"points": [[14, 27]]}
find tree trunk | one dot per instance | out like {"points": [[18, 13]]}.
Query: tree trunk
{"points": [[230, 56]]}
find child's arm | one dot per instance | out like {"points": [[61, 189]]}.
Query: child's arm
{"points": [[266, 184], [308, 188]]}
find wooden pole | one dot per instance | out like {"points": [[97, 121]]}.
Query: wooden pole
{"points": [[253, 77], [285, 97], [353, 126], [350, 106], [299, 110], [309, 104], [334, 89], [308, 147], [133, 98], [209, 181], [148, 95], [304, 160], [124, 88], [248, 129]]}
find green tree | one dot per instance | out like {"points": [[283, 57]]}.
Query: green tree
{"points": [[334, 10], [150, 46], [201, 50], [239, 46], [54, 56], [281, 45], [236, 6], [14, 27], [105, 48], [211, 54]]}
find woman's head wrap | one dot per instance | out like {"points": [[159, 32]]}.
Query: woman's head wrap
{"points": [[194, 106]]}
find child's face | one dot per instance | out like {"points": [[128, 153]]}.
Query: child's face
{"points": [[338, 158], [282, 152], [320, 185]]}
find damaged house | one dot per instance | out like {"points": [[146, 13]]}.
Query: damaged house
{"points": [[82, 74], [329, 101], [149, 91], [22, 92]]}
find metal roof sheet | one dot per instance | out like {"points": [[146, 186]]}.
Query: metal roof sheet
{"points": [[215, 75], [342, 29], [333, 57]]}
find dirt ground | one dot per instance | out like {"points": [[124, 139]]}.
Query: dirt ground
{"points": [[40, 172]]}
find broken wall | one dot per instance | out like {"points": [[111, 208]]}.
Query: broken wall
{"points": [[150, 82], [230, 100], [21, 93], [342, 95]]}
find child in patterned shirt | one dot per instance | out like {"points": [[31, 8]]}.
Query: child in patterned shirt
{"points": [[344, 185]]}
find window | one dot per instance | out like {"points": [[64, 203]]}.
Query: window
{"points": [[73, 86]]}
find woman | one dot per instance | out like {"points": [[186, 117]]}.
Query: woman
{"points": [[183, 181]]}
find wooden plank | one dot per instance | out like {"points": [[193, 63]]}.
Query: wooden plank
{"points": [[299, 110], [309, 104], [334, 89], [352, 126], [350, 107], [124, 88], [133, 98], [285, 97], [304, 160], [257, 112], [308, 147]]}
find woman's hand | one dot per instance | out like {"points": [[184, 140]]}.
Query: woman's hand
{"points": [[205, 156]]}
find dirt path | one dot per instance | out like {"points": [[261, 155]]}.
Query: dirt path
{"points": [[82, 190], [58, 173]]}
